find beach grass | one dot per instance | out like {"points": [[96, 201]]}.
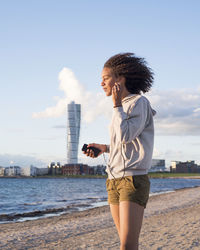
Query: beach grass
{"points": [[172, 175], [151, 175]]}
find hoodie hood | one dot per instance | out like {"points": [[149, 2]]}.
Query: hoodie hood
{"points": [[133, 96]]}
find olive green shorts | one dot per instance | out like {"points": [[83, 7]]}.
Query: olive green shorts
{"points": [[129, 188]]}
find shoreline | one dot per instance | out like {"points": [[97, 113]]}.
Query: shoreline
{"points": [[56, 212], [151, 175], [55, 176], [171, 221]]}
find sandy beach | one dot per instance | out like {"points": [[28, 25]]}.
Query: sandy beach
{"points": [[172, 221]]}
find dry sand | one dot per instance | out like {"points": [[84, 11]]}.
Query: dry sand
{"points": [[172, 221]]}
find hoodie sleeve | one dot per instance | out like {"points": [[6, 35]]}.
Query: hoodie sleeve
{"points": [[127, 128]]}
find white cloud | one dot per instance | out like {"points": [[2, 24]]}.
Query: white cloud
{"points": [[55, 111], [178, 110], [92, 104], [196, 110]]}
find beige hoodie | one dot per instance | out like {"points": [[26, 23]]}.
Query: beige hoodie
{"points": [[131, 138]]}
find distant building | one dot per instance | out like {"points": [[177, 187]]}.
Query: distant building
{"points": [[78, 169], [29, 171], [54, 168], [83, 169], [42, 171], [91, 171], [158, 165], [184, 167], [2, 171], [71, 169], [33, 171], [99, 170], [73, 132], [12, 171]]}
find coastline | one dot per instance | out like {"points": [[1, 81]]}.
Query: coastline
{"points": [[69, 209], [152, 175], [171, 221], [55, 176]]}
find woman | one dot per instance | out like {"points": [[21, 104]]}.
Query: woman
{"points": [[125, 77]]}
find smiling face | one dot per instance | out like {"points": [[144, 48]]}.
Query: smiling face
{"points": [[108, 81]]}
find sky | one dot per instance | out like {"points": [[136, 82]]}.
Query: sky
{"points": [[52, 52]]}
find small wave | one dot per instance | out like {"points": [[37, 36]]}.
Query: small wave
{"points": [[32, 204], [93, 198], [161, 192], [11, 217], [61, 200]]}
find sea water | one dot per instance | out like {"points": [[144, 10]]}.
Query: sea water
{"points": [[30, 198]]}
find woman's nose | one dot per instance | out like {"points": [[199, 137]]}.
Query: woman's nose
{"points": [[102, 83]]}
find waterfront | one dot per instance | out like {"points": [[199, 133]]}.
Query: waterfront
{"points": [[29, 198], [171, 221]]}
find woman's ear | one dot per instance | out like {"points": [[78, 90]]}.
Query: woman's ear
{"points": [[121, 80]]}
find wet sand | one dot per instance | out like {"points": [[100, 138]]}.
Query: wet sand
{"points": [[172, 221]]}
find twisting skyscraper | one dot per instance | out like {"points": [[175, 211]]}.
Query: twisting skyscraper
{"points": [[73, 132]]}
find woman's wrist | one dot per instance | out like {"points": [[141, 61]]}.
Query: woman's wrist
{"points": [[105, 148]]}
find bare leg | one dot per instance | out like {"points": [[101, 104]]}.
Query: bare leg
{"points": [[131, 216], [115, 214]]}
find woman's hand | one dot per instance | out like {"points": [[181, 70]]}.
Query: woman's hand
{"points": [[116, 94], [101, 147]]}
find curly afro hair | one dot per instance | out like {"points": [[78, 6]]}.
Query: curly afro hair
{"points": [[139, 77]]}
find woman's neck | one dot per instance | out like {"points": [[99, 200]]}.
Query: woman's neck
{"points": [[125, 93]]}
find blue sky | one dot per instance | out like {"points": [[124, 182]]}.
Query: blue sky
{"points": [[42, 40]]}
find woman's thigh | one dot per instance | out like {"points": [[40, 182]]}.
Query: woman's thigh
{"points": [[131, 216]]}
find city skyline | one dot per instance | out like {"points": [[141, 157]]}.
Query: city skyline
{"points": [[53, 54]]}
